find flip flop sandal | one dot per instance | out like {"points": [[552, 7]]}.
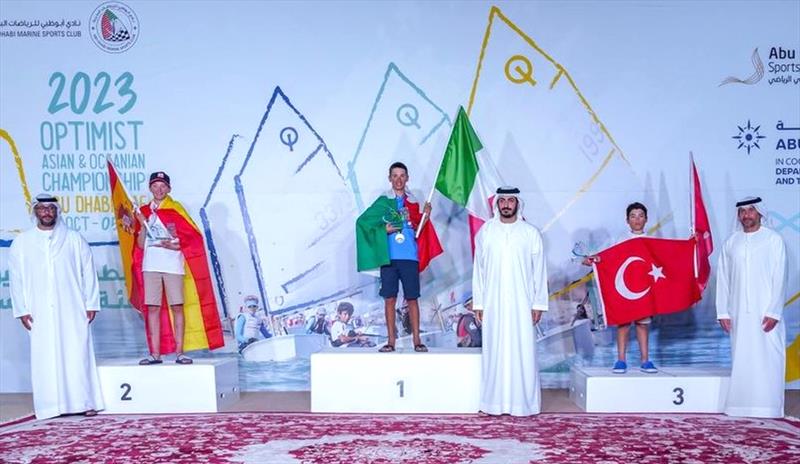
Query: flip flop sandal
{"points": [[182, 359], [420, 348], [387, 348], [90, 413], [150, 360]]}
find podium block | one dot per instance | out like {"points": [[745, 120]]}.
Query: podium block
{"points": [[355, 380], [205, 386], [674, 389]]}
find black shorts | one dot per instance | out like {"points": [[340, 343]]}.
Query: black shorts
{"points": [[400, 270]]}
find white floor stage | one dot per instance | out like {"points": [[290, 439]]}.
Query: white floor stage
{"points": [[357, 381], [208, 385], [672, 389]]}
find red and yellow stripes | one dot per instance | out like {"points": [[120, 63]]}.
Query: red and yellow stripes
{"points": [[124, 220], [203, 329]]}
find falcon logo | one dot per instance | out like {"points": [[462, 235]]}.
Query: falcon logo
{"points": [[114, 27]]}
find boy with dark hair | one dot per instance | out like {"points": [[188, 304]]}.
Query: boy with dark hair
{"points": [[386, 241], [636, 217]]}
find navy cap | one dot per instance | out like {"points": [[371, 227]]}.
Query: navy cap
{"points": [[159, 176]]}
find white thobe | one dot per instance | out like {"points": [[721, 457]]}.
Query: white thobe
{"points": [[53, 280], [750, 285], [509, 279]]}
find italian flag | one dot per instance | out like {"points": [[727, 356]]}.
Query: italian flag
{"points": [[372, 244], [467, 175]]}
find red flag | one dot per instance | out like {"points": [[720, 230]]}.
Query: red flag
{"points": [[428, 245], [702, 230], [642, 277]]}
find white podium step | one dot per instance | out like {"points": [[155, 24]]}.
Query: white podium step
{"points": [[359, 380], [672, 389], [205, 386]]}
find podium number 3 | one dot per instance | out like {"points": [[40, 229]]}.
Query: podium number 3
{"points": [[678, 396], [126, 387], [401, 384]]}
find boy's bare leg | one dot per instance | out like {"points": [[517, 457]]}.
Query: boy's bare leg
{"points": [[389, 312], [623, 332], [413, 316], [154, 323], [641, 336]]}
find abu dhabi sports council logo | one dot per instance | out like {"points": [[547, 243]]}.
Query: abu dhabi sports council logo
{"points": [[781, 68], [114, 27], [757, 75], [748, 137]]}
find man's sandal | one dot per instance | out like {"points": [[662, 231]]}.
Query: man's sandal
{"points": [[387, 348], [182, 359], [149, 360], [421, 348]]}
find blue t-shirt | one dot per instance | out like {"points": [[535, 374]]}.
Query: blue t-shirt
{"points": [[407, 249]]}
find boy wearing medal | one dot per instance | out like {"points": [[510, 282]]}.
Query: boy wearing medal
{"points": [[398, 217]]}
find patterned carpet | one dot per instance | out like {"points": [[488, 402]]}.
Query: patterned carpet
{"points": [[375, 439]]}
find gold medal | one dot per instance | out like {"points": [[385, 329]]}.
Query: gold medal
{"points": [[399, 237]]}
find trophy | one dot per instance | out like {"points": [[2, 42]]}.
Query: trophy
{"points": [[580, 251], [397, 218], [158, 233]]}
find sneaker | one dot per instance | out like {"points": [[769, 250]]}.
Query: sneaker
{"points": [[620, 367], [649, 367]]}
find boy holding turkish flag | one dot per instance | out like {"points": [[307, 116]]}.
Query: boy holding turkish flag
{"points": [[636, 217]]}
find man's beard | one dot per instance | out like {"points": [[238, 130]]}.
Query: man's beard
{"points": [[509, 214], [749, 223], [48, 221]]}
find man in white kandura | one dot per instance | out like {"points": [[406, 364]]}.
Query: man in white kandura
{"points": [[55, 295], [509, 285], [751, 276]]}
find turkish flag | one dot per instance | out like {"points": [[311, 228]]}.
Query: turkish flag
{"points": [[642, 277], [702, 229]]}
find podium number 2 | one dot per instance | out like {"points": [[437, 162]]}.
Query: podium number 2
{"points": [[401, 384], [678, 396], [126, 387]]}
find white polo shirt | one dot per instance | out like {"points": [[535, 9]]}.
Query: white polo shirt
{"points": [[156, 258]]}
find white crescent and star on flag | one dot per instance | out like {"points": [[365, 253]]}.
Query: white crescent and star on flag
{"points": [[619, 280]]}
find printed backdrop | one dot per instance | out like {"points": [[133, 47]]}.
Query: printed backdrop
{"points": [[277, 122]]}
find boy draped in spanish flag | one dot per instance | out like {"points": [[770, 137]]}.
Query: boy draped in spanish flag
{"points": [[170, 271]]}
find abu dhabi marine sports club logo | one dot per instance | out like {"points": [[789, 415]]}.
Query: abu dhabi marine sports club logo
{"points": [[114, 27], [748, 137]]}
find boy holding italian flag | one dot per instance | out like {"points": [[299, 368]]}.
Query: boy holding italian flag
{"points": [[386, 242]]}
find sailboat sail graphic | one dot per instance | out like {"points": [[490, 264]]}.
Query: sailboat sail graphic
{"points": [[565, 159], [297, 212], [16, 198]]}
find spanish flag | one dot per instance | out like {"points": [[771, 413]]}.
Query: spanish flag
{"points": [[203, 329], [125, 222]]}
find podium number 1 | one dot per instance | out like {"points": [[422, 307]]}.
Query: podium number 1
{"points": [[125, 394], [401, 384], [678, 396]]}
